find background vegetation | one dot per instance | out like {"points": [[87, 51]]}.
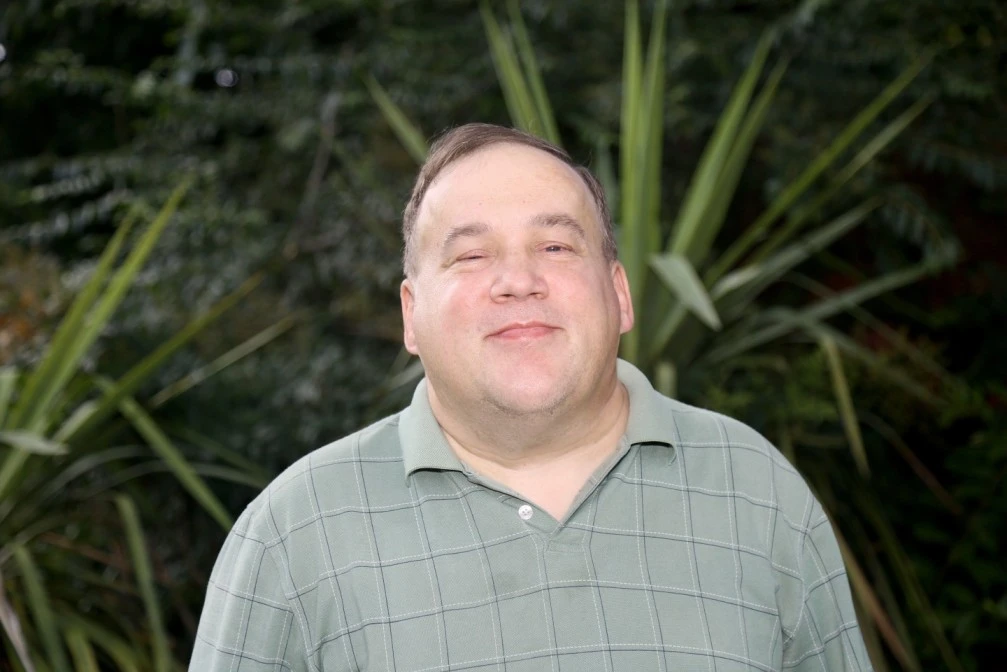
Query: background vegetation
{"points": [[297, 182]]}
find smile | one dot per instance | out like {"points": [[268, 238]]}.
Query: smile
{"points": [[523, 331]]}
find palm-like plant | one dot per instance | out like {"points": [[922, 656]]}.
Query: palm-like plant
{"points": [[698, 307], [77, 582]]}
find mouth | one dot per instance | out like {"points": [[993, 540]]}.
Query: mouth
{"points": [[522, 331]]}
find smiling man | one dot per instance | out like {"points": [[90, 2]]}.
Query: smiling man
{"points": [[538, 506]]}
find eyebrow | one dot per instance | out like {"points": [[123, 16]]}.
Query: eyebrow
{"points": [[549, 220], [560, 219], [464, 231]]}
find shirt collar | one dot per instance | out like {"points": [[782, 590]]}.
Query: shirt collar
{"points": [[423, 443], [650, 419], [425, 447]]}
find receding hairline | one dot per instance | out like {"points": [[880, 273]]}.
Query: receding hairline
{"points": [[471, 139], [448, 168], [545, 218]]}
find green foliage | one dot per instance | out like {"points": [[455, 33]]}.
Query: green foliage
{"points": [[63, 449], [289, 184], [518, 72], [926, 523]]}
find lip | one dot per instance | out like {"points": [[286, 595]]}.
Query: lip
{"points": [[523, 331]]}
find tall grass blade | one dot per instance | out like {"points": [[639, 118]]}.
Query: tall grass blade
{"points": [[410, 374], [702, 189], [230, 474], [604, 168], [30, 442], [894, 338], [219, 451], [883, 589], [41, 610], [81, 651], [681, 279], [796, 189], [140, 372], [517, 95], [406, 131], [666, 378], [632, 88], [143, 569], [928, 478], [641, 188], [915, 594], [861, 159], [77, 418], [175, 461], [63, 354], [85, 464], [669, 326], [8, 378], [116, 290], [867, 597], [868, 290], [225, 360], [401, 361], [752, 280], [755, 278], [822, 309], [533, 75], [653, 129], [125, 656], [877, 365], [59, 348], [727, 184], [632, 101], [844, 400], [12, 628]]}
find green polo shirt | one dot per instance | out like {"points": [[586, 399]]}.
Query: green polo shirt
{"points": [[696, 547]]}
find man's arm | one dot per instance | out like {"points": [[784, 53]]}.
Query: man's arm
{"points": [[247, 622], [825, 635]]}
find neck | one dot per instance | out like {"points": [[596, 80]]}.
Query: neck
{"points": [[547, 457]]}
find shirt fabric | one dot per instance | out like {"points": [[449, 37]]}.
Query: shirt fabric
{"points": [[697, 546]]}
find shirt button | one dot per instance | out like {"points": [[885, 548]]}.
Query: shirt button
{"points": [[525, 512]]}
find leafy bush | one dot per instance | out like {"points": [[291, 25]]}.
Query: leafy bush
{"points": [[78, 579]]}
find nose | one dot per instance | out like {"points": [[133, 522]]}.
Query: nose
{"points": [[518, 277]]}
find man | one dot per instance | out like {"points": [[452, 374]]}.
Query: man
{"points": [[538, 506]]}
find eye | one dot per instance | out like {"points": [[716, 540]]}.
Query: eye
{"points": [[556, 247], [472, 256]]}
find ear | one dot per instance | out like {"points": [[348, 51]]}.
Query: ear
{"points": [[621, 284], [408, 301]]}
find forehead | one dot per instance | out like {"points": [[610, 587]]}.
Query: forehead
{"points": [[504, 180]]}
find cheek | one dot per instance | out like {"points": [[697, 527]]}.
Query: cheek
{"points": [[587, 289], [592, 300], [450, 309]]}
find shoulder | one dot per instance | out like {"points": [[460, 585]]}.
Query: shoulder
{"points": [[326, 480], [749, 464], [713, 446], [700, 429]]}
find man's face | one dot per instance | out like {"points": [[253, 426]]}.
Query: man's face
{"points": [[512, 302]]}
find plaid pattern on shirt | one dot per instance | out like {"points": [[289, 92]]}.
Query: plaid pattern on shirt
{"points": [[696, 547]]}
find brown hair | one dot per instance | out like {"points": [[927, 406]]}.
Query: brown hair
{"points": [[462, 141]]}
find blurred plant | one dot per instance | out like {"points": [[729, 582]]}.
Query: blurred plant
{"points": [[698, 308], [73, 447], [30, 297], [258, 101]]}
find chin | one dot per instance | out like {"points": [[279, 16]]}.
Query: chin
{"points": [[528, 399]]}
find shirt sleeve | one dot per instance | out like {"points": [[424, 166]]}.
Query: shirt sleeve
{"points": [[248, 624], [825, 635]]}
